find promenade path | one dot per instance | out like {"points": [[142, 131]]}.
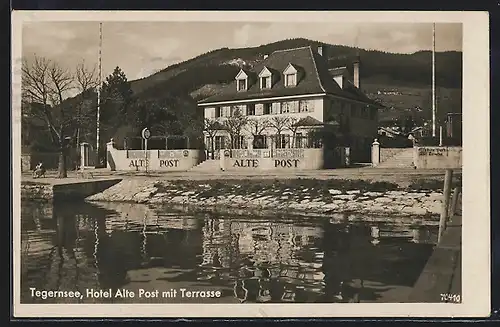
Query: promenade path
{"points": [[442, 275], [400, 176]]}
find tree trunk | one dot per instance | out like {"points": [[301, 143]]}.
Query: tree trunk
{"points": [[212, 148], [63, 173]]}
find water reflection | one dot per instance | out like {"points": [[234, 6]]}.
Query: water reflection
{"points": [[83, 246]]}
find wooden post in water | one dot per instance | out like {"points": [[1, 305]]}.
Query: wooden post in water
{"points": [[446, 202], [454, 202]]}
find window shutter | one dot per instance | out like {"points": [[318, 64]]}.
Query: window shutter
{"points": [[210, 112], [259, 109], [276, 108]]}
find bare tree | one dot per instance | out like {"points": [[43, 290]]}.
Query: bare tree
{"points": [[234, 126], [86, 81], [211, 127], [291, 125], [279, 123], [256, 127], [48, 84]]}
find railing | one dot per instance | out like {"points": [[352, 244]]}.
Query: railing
{"points": [[288, 153], [250, 153], [297, 153], [162, 154]]}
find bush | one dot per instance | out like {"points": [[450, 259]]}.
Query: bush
{"points": [[434, 141], [397, 142]]}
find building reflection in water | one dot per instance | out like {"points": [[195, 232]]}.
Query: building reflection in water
{"points": [[262, 260]]}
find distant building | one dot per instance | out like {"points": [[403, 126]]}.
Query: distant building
{"points": [[295, 88]]}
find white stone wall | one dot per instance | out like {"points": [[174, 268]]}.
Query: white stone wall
{"points": [[151, 160]]}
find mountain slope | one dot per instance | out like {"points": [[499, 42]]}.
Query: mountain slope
{"points": [[205, 75], [377, 66]]}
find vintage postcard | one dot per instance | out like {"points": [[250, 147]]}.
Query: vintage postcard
{"points": [[250, 164]]}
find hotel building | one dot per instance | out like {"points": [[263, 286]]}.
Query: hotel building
{"points": [[292, 99]]}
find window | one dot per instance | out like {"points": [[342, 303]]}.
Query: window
{"points": [[259, 142], [298, 140], [282, 141], [265, 82], [373, 113], [304, 106], [315, 140], [225, 112], [285, 107], [251, 109], [267, 108], [239, 142], [293, 106], [241, 84], [218, 112], [290, 80]]}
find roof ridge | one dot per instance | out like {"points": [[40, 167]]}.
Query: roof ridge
{"points": [[316, 69], [299, 48]]}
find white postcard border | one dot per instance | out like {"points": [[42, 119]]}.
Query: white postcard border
{"points": [[476, 198]]}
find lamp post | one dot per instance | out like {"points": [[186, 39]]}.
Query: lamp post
{"points": [[98, 121]]}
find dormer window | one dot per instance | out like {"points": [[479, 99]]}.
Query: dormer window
{"points": [[241, 81], [290, 74], [242, 85], [265, 82], [290, 80], [265, 78]]}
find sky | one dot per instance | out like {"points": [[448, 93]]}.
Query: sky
{"points": [[142, 48]]}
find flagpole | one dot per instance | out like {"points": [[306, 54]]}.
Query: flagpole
{"points": [[433, 79], [99, 95]]}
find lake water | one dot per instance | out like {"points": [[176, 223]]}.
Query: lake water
{"points": [[129, 247]]}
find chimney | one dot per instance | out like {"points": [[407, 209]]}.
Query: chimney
{"points": [[355, 69], [265, 56]]}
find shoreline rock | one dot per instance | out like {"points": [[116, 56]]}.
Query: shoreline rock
{"points": [[256, 198]]}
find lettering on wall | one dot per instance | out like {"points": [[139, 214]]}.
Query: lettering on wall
{"points": [[246, 163], [286, 163], [169, 163], [138, 163], [171, 154], [432, 151]]}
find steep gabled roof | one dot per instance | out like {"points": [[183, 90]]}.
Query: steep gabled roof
{"points": [[313, 122], [315, 79], [308, 121], [277, 61]]}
